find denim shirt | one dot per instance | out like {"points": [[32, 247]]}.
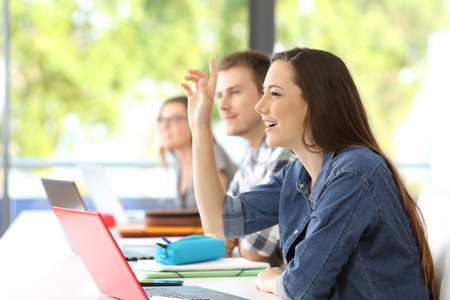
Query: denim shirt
{"points": [[350, 240]]}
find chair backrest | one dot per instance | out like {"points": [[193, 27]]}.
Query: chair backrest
{"points": [[434, 202]]}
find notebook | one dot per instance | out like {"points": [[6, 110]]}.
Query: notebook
{"points": [[222, 267], [102, 194], [223, 263], [106, 264], [65, 194]]}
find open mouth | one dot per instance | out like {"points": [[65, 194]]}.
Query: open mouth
{"points": [[270, 124]]}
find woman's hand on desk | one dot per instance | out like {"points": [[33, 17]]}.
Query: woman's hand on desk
{"points": [[266, 280]]}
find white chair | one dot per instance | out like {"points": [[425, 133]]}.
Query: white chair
{"points": [[434, 202]]}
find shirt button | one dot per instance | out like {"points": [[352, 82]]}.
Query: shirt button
{"points": [[296, 231], [300, 185]]}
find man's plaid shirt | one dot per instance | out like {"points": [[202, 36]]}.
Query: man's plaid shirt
{"points": [[256, 168]]}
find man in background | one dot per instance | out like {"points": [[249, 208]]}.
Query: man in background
{"points": [[239, 88]]}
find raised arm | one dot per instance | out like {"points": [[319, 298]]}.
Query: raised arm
{"points": [[209, 192]]}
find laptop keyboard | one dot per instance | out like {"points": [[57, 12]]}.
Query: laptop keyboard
{"points": [[138, 252], [160, 291]]}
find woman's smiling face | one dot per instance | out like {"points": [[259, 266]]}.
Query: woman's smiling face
{"points": [[282, 107]]}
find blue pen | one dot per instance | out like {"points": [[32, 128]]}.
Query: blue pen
{"points": [[166, 240]]}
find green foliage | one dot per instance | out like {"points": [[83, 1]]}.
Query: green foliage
{"points": [[377, 40], [82, 57]]}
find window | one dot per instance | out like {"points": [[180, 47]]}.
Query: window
{"points": [[87, 80], [387, 46]]}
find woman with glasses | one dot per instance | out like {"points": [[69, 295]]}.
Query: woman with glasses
{"points": [[176, 139]]}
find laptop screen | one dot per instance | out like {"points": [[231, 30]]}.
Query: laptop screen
{"points": [[102, 257], [63, 194], [102, 194]]}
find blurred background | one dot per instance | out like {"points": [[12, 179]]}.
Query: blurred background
{"points": [[87, 77]]}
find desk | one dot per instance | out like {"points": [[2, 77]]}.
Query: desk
{"points": [[37, 263]]}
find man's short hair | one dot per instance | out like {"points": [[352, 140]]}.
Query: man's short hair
{"points": [[256, 61]]}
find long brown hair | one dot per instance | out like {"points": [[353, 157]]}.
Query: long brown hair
{"points": [[331, 94]]}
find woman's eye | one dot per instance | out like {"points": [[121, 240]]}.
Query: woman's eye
{"points": [[235, 92], [275, 94]]}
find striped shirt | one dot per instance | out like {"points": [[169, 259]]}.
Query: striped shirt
{"points": [[256, 168]]}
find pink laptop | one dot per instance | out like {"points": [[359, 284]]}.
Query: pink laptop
{"points": [[105, 262]]}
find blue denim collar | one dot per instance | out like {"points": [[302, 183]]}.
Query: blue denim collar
{"points": [[304, 179]]}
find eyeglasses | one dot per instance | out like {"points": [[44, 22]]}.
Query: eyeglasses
{"points": [[171, 119]]}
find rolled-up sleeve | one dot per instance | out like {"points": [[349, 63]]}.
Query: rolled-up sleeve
{"points": [[254, 210], [233, 217]]}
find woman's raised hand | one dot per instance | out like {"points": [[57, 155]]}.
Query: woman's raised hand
{"points": [[201, 99]]}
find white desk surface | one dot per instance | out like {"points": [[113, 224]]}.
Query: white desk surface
{"points": [[37, 263]]}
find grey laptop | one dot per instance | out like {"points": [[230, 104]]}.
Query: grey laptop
{"points": [[65, 194]]}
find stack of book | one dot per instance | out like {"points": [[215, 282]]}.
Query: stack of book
{"points": [[164, 222], [140, 230]]}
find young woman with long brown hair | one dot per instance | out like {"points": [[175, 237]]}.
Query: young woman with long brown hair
{"points": [[348, 227]]}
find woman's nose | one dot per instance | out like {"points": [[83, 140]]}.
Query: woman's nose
{"points": [[260, 105]]}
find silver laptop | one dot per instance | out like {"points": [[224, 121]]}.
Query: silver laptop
{"points": [[101, 192], [65, 194]]}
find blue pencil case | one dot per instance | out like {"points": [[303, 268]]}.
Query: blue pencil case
{"points": [[190, 249]]}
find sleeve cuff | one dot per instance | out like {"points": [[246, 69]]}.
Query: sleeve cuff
{"points": [[281, 289], [233, 217]]}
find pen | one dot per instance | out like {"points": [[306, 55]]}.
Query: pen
{"points": [[162, 245], [166, 240]]}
